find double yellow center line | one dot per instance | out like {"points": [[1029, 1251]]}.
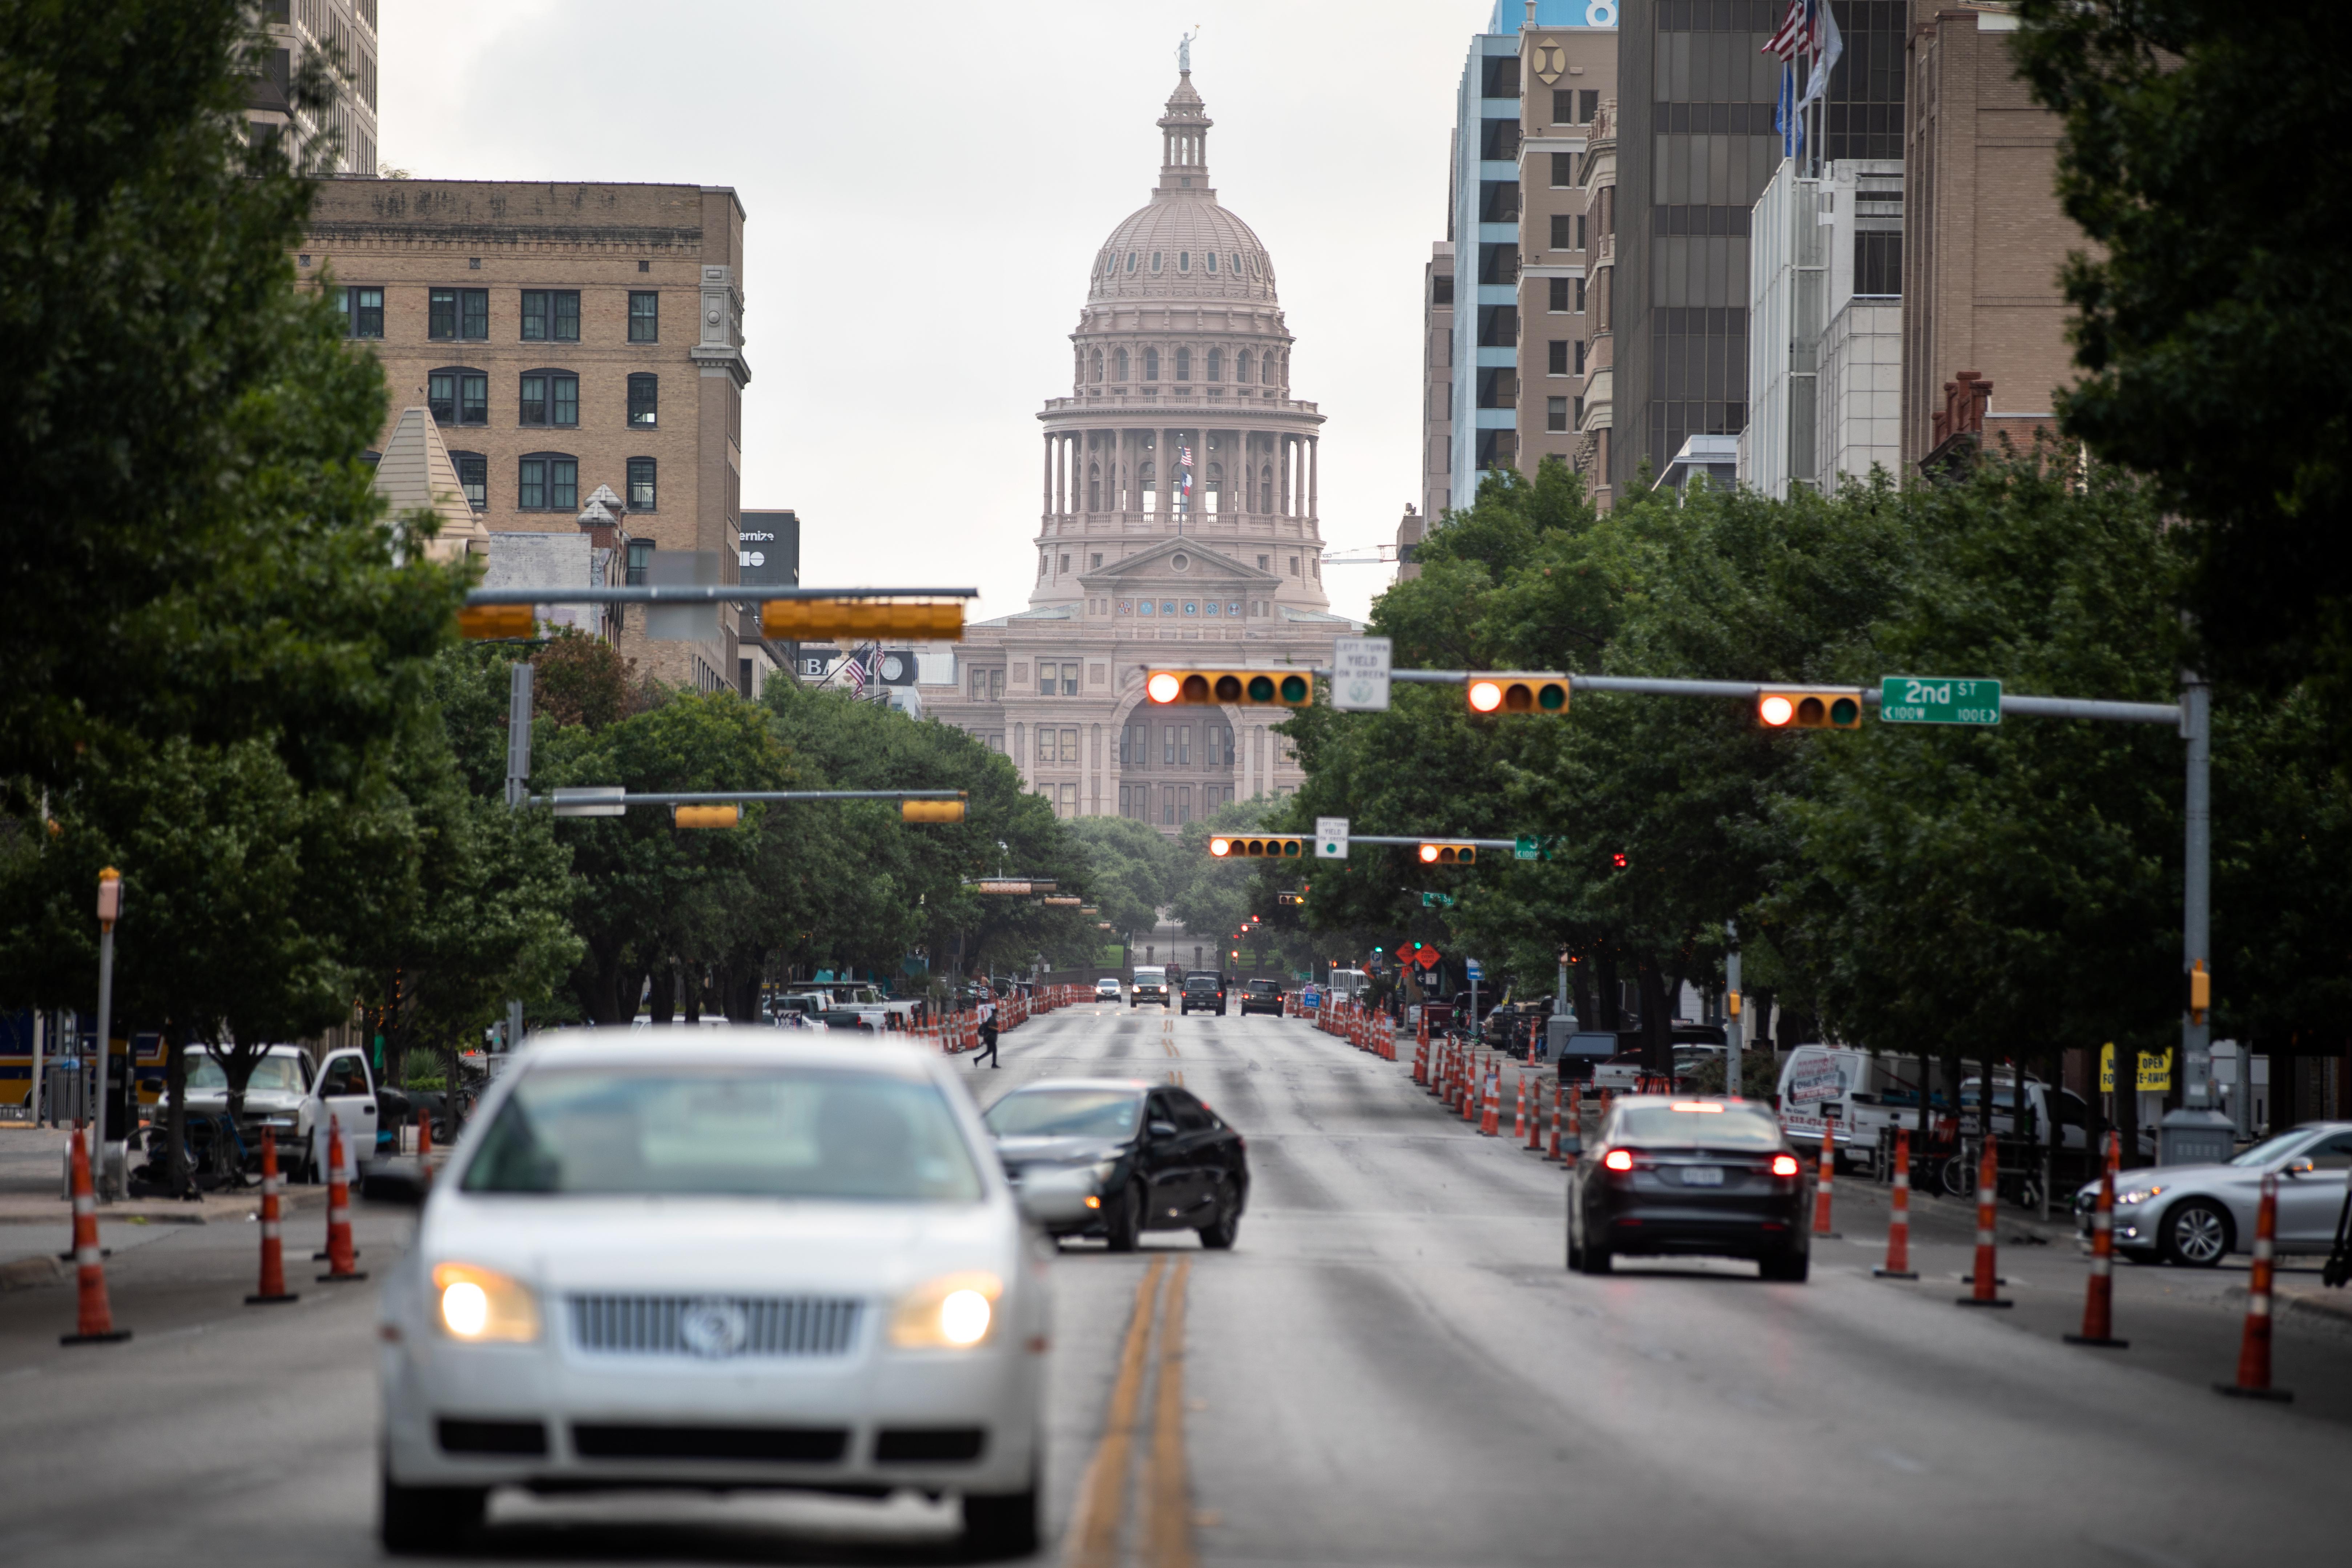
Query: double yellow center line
{"points": [[1100, 1519]]}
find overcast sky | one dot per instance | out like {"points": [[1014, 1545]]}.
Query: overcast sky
{"points": [[927, 184]]}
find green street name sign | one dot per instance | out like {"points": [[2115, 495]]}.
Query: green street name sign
{"points": [[1437, 900], [1528, 846], [1938, 700]]}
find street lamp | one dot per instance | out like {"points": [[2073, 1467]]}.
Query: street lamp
{"points": [[110, 910]]}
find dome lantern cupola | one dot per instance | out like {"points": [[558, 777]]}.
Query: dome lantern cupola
{"points": [[1185, 145]]}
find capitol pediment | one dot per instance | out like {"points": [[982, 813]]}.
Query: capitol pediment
{"points": [[1175, 565]]}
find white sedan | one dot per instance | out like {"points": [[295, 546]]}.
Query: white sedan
{"points": [[718, 1258]]}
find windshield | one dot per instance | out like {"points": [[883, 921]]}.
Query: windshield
{"points": [[1262, 987], [2277, 1148], [1201, 982], [271, 1074], [1665, 1126], [1066, 1113], [726, 1132]]}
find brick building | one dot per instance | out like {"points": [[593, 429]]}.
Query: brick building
{"points": [[1984, 323], [563, 338]]}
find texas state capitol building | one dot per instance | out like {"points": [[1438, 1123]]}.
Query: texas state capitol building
{"points": [[1179, 523]]}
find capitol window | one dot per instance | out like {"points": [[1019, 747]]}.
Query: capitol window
{"points": [[1216, 481], [1130, 260], [1183, 261], [1144, 608], [1120, 358], [1155, 261], [1094, 493], [1151, 364], [1098, 365], [1147, 478], [1183, 364], [1212, 260], [1237, 261], [1241, 366], [1216, 371]]}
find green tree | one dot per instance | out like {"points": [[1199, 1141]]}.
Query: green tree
{"points": [[201, 553], [1134, 870], [2209, 328]]}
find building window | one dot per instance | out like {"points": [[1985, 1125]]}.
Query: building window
{"points": [[1878, 263], [1558, 303], [1266, 489], [1183, 261], [452, 313], [1555, 364], [1183, 364], [1563, 231], [1045, 749], [1151, 364], [641, 557], [641, 485], [1580, 413], [645, 400], [644, 317], [1098, 364], [473, 477], [1556, 413], [1563, 170], [363, 311], [1294, 565], [1241, 366], [551, 315], [1580, 231], [549, 397], [548, 481], [1069, 681], [1155, 261], [1580, 356], [1146, 479], [456, 395], [1119, 358], [1094, 490]]}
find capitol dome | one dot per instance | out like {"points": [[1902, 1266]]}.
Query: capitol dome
{"points": [[1183, 244]]}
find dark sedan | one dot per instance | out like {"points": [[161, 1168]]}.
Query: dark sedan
{"points": [[1694, 1177], [1261, 997], [1116, 1157]]}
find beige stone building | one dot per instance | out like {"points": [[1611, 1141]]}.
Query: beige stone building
{"points": [[1594, 415], [1178, 528], [1566, 74], [565, 338], [1984, 324]]}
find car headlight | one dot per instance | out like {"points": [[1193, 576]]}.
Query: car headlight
{"points": [[479, 1306], [956, 1312], [2131, 1196], [1104, 1170]]}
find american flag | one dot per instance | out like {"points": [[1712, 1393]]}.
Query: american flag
{"points": [[857, 671], [1795, 32]]}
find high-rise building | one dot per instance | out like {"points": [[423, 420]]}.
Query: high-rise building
{"points": [[1530, 87], [1696, 148], [1984, 321], [567, 339], [1179, 523], [1595, 415], [340, 35]]}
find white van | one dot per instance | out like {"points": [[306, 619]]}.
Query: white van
{"points": [[1346, 984], [1843, 1089]]}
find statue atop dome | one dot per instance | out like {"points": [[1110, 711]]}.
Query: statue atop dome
{"points": [[1184, 51]]}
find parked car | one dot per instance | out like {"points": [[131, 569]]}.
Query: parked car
{"points": [[1586, 1052], [1106, 988], [1709, 1176], [286, 1095], [2195, 1216], [716, 1260], [1261, 997], [1117, 1157], [1204, 989]]}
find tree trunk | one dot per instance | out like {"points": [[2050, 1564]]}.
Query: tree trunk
{"points": [[1579, 984], [689, 990], [1657, 1018], [1608, 1015], [664, 1002]]}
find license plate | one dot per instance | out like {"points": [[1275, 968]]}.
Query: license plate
{"points": [[1702, 1175]]}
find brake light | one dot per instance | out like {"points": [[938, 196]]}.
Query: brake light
{"points": [[1784, 1165], [1618, 1160]]}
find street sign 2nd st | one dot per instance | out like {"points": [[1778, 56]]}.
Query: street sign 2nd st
{"points": [[1938, 700]]}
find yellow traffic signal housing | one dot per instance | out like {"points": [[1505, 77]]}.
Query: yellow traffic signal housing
{"points": [[1276, 846], [1809, 708], [930, 811], [2200, 992], [1517, 691], [1434, 852], [482, 623], [819, 620], [1212, 688], [1290, 897], [726, 816]]}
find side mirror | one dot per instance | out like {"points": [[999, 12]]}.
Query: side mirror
{"points": [[1161, 1130], [2301, 1167], [401, 1184]]}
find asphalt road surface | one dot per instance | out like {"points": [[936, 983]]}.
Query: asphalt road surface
{"points": [[1393, 1367]]}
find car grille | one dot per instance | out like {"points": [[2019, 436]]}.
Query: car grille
{"points": [[771, 1326], [792, 1444]]}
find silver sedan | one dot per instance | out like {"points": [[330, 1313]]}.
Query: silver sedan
{"points": [[2196, 1214]]}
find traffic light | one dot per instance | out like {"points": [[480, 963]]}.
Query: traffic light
{"points": [[1211, 688], [855, 620], [1277, 846], [930, 811], [1436, 853], [1617, 861], [481, 623], [1517, 691], [725, 816], [1809, 708], [1290, 897]]}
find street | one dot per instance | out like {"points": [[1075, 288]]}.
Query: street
{"points": [[1392, 1366]]}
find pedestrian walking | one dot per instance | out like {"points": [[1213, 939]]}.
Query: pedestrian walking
{"points": [[987, 1033]]}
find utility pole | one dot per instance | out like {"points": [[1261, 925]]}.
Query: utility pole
{"points": [[1731, 1045], [2197, 1133], [110, 910], [519, 706]]}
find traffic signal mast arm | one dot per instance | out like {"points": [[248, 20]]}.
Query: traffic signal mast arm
{"points": [[1749, 690], [733, 796]]}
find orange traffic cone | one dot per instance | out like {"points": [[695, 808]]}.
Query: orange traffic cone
{"points": [[1472, 1101], [1987, 1274], [2099, 1290], [1519, 1112], [1490, 1124], [1898, 1224], [2255, 1349], [272, 1289], [340, 1255], [1821, 1185], [93, 1315], [1535, 1122]]}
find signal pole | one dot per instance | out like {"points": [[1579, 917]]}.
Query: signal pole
{"points": [[1731, 1045]]}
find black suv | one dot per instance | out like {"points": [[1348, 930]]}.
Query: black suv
{"points": [[1204, 989], [1261, 997]]}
